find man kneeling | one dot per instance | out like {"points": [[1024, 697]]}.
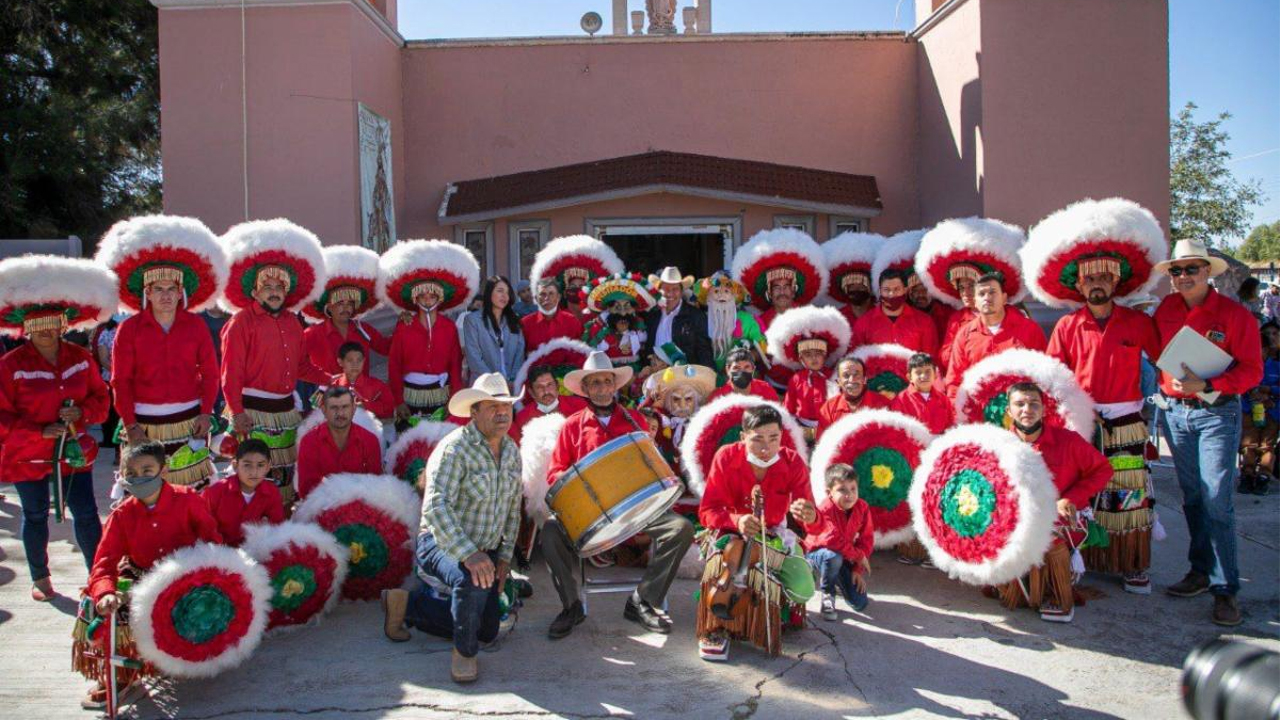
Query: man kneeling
{"points": [[470, 515]]}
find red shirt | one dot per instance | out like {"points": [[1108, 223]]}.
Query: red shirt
{"points": [[1107, 361], [912, 329], [264, 352], [31, 394], [778, 375], [322, 341], [149, 365], [319, 456], [936, 411], [941, 313], [759, 388], [838, 406], [852, 534], [566, 405], [806, 392], [1079, 470], [583, 432], [373, 394], [180, 518], [731, 477], [974, 342], [228, 507], [416, 349], [539, 328], [1228, 325], [955, 321]]}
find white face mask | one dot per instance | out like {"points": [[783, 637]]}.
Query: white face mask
{"points": [[751, 458], [544, 409]]}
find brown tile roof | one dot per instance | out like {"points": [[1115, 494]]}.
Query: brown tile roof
{"points": [[760, 182]]}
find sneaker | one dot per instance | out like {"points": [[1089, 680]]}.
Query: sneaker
{"points": [[1137, 583], [1052, 613], [394, 604], [927, 564], [714, 647], [1190, 586], [640, 612], [1226, 611], [95, 698], [463, 669], [907, 561], [829, 607], [566, 621]]}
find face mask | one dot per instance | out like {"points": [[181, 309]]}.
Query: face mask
{"points": [[544, 409], [751, 458], [893, 303], [858, 297], [142, 487], [740, 380], [1029, 429]]}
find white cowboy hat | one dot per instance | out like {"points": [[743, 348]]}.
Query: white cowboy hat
{"points": [[1192, 250], [671, 274], [597, 362], [490, 386]]}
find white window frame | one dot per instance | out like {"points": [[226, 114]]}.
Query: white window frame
{"points": [[807, 223], [460, 237], [514, 228], [864, 224]]}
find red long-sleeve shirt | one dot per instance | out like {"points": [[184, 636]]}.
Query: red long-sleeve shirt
{"points": [[759, 388], [1227, 324], [539, 328], [806, 392], [729, 482], [180, 518], [414, 348], [583, 432], [1107, 361], [566, 406], [373, 394], [912, 329], [319, 456], [1079, 470], [31, 394], [322, 341], [264, 352], [777, 374], [974, 342], [149, 365], [838, 406], [955, 321], [852, 533], [941, 314], [230, 510], [936, 411]]}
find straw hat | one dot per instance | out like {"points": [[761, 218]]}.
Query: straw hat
{"points": [[489, 386], [597, 362], [1193, 250]]}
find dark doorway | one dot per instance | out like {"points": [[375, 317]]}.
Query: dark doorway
{"points": [[697, 254]]}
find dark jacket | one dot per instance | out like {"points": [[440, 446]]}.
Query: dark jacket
{"points": [[688, 332]]}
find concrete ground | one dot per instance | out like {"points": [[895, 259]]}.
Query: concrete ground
{"points": [[926, 647]]}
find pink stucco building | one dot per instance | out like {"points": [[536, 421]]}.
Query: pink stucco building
{"points": [[668, 146]]}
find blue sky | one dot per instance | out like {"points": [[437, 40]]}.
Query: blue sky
{"points": [[1224, 55]]}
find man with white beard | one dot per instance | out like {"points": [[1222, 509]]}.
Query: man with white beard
{"points": [[728, 325]]}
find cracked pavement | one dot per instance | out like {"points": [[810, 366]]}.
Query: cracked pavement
{"points": [[926, 647]]}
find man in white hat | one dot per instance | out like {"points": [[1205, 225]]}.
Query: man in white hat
{"points": [[470, 516], [601, 421], [677, 322], [1202, 422]]}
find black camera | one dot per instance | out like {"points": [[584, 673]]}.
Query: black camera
{"points": [[1227, 680]]}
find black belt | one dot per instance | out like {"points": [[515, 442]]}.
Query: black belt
{"points": [[1196, 402]]}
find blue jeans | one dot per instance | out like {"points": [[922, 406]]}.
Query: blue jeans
{"points": [[1204, 442], [34, 497], [833, 573], [470, 615]]}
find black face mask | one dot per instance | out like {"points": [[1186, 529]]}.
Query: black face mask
{"points": [[1029, 429], [740, 380], [859, 297]]}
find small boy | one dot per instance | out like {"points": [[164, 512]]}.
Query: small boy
{"points": [[243, 498], [371, 393], [840, 552], [807, 388], [921, 400]]}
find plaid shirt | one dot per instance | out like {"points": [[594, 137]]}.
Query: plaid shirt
{"points": [[472, 503]]}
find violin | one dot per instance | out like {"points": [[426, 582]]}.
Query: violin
{"points": [[731, 584]]}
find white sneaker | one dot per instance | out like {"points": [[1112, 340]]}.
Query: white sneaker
{"points": [[714, 647], [1052, 613], [1137, 583], [829, 606]]}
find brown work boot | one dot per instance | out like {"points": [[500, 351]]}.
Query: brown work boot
{"points": [[1226, 611], [1190, 586], [394, 604], [463, 669]]}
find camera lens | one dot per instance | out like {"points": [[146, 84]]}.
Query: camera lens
{"points": [[1223, 680]]}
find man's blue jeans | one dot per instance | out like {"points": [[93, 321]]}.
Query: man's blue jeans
{"points": [[1205, 441], [834, 573], [470, 615]]}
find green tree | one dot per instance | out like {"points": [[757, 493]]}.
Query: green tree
{"points": [[1207, 203], [80, 117], [1263, 243]]}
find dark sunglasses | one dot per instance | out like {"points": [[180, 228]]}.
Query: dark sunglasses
{"points": [[1188, 270]]}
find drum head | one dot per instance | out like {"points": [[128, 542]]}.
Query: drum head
{"points": [[629, 517]]}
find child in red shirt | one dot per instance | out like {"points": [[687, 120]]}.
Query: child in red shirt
{"points": [[243, 498], [807, 389], [371, 393], [922, 400], [841, 551]]}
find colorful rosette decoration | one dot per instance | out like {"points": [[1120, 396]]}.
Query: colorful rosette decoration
{"points": [[151, 248], [983, 505], [781, 253], [564, 355], [407, 456], [886, 367], [307, 567], [411, 265], [983, 395], [200, 611], [537, 440], [376, 518], [353, 276], [799, 328], [279, 249], [970, 248], [719, 423], [849, 257], [574, 257], [884, 447]]}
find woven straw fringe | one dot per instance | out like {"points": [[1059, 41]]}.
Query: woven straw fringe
{"points": [[1050, 580], [760, 622], [1125, 435], [1129, 552], [195, 476], [426, 398], [174, 433], [287, 420], [913, 549], [89, 658], [284, 457], [1128, 480]]}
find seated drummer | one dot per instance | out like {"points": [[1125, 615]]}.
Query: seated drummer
{"points": [[470, 516], [759, 458], [601, 421]]}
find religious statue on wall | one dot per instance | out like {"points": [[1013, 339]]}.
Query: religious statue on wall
{"points": [[662, 16]]}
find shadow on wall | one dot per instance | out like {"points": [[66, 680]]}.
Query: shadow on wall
{"points": [[950, 180]]}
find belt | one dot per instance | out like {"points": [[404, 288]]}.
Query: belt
{"points": [[1195, 402]]}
